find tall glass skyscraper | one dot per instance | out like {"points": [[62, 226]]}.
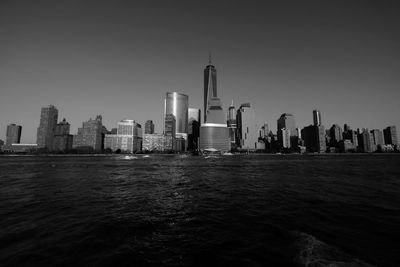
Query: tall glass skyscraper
{"points": [[177, 104], [214, 133], [210, 86], [48, 122]]}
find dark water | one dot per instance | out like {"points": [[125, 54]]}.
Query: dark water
{"points": [[191, 211]]}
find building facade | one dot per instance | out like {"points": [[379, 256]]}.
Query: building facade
{"points": [[194, 128], [129, 137], [336, 135], [247, 135], [177, 104], [13, 135], [232, 125], [89, 136], [314, 138], [390, 135], [45, 131], [62, 140]]}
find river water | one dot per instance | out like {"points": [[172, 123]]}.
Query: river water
{"points": [[173, 210]]}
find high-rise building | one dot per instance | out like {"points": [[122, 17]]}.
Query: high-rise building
{"points": [[210, 86], [336, 135], [351, 135], [365, 141], [45, 131], [246, 127], [314, 138], [13, 135], [287, 121], [170, 131], [377, 136], [149, 127], [90, 135], [317, 117], [285, 137], [232, 125], [194, 128], [129, 137], [214, 133], [62, 140], [390, 135], [177, 104]]}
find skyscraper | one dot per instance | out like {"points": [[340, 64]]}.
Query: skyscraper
{"points": [[287, 121], [149, 127], [246, 127], [90, 135], [45, 131], [378, 138], [336, 135], [390, 135], [317, 117], [232, 124], [170, 131], [210, 86], [193, 128], [314, 138], [62, 140], [13, 134], [177, 104], [214, 133]]}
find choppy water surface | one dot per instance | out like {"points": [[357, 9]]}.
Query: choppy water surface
{"points": [[182, 211]]}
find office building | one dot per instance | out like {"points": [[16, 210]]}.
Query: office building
{"points": [[62, 140], [365, 141], [170, 131], [349, 134], [210, 86], [336, 135], [128, 139], [377, 136], [149, 127], [45, 131], [317, 117], [178, 105], [13, 135], [89, 136], [194, 128], [314, 138], [214, 133], [285, 137], [232, 125], [246, 127], [390, 135], [288, 122]]}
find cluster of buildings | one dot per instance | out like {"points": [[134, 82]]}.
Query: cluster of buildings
{"points": [[183, 130]]}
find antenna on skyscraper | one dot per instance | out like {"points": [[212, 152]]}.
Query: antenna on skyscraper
{"points": [[209, 57]]}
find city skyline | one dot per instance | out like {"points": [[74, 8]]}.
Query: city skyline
{"points": [[338, 58]]}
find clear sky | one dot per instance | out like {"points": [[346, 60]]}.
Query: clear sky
{"points": [[119, 58]]}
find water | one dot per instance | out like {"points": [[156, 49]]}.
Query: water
{"points": [[190, 211]]}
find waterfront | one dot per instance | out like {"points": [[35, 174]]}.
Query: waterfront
{"points": [[254, 210]]}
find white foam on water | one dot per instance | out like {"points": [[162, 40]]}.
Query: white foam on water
{"points": [[312, 252]]}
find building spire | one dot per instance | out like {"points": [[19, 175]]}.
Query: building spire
{"points": [[209, 57]]}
